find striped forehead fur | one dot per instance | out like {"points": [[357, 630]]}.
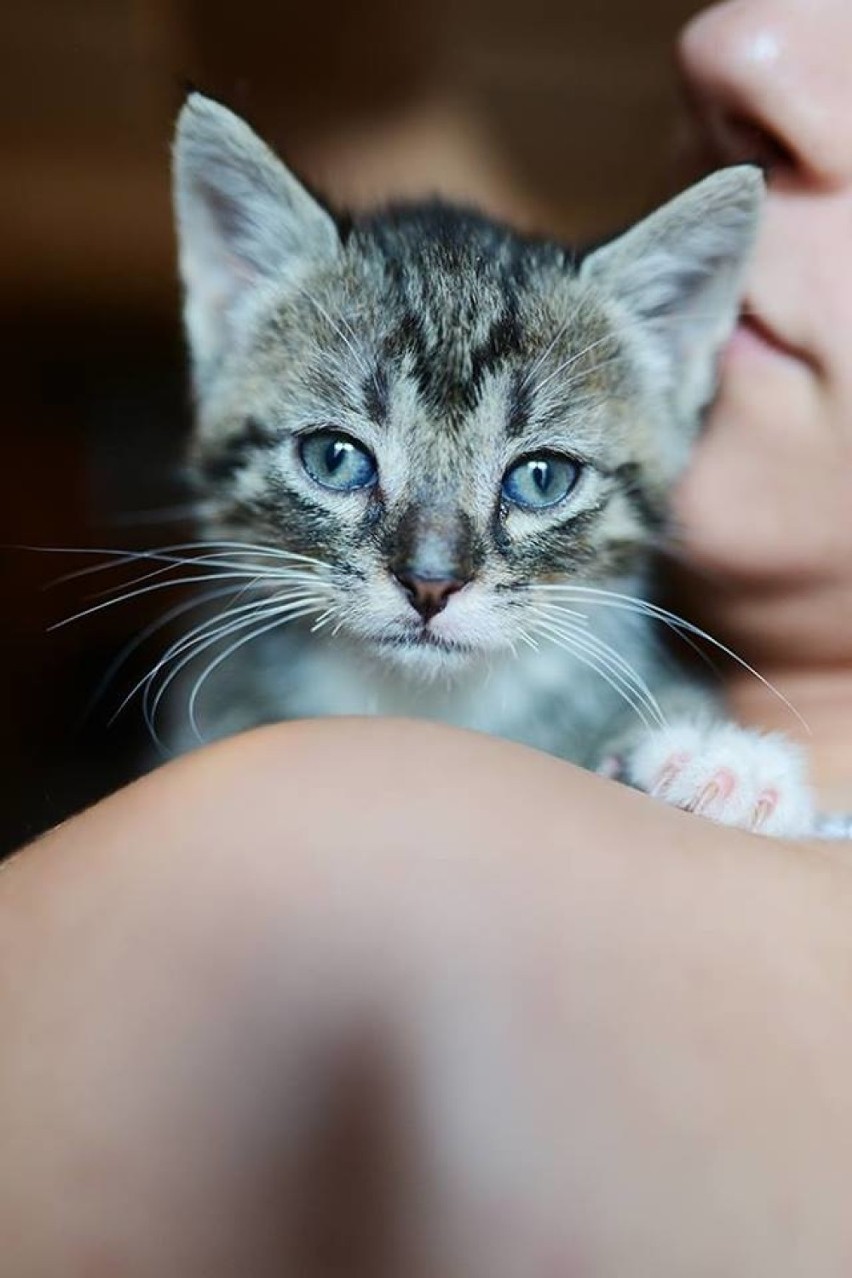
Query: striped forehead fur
{"points": [[455, 281]]}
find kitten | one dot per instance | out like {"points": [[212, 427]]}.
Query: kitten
{"points": [[440, 452]]}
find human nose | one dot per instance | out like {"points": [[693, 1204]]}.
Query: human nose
{"points": [[768, 83]]}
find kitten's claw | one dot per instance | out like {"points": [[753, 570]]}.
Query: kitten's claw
{"points": [[727, 773]]}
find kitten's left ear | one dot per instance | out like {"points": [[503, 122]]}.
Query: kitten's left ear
{"points": [[679, 276], [245, 226]]}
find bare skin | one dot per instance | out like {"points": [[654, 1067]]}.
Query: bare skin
{"points": [[385, 998], [766, 508], [571, 1053]]}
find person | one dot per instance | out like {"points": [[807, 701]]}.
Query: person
{"points": [[382, 997]]}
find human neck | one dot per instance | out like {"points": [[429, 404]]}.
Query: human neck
{"points": [[798, 638]]}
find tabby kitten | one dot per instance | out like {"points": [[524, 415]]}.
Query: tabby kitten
{"points": [[440, 452]]}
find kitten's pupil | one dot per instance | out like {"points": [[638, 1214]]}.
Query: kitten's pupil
{"points": [[335, 454], [541, 475]]}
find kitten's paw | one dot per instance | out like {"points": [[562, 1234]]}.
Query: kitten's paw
{"points": [[728, 773]]}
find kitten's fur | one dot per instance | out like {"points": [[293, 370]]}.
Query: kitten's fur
{"points": [[450, 346]]}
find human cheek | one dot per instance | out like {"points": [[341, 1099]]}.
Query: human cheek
{"points": [[797, 310], [829, 248]]}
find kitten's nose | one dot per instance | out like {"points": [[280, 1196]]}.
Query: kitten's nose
{"points": [[428, 595]]}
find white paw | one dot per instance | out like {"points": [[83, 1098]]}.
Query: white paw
{"points": [[730, 774]]}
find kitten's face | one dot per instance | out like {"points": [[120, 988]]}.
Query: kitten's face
{"points": [[443, 414], [442, 436]]}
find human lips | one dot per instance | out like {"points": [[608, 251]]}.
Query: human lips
{"points": [[754, 335]]}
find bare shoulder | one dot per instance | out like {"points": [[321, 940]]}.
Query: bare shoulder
{"points": [[216, 930], [377, 792]]}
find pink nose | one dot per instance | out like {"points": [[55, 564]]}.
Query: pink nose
{"points": [[428, 595]]}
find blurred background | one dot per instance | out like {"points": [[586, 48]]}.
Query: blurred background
{"points": [[560, 115]]}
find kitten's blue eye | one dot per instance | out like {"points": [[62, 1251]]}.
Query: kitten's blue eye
{"points": [[336, 460], [543, 480]]}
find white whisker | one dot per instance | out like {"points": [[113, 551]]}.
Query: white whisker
{"points": [[588, 656], [139, 639], [322, 621], [146, 590], [294, 614], [356, 355], [528, 640], [170, 554], [630, 603], [204, 630], [234, 615], [691, 643], [631, 677], [574, 359], [174, 649], [222, 570], [537, 363], [613, 659], [192, 650]]}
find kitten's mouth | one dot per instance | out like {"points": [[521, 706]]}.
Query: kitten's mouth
{"points": [[425, 639]]}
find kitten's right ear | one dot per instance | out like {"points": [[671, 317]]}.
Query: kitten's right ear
{"points": [[245, 226], [679, 277]]}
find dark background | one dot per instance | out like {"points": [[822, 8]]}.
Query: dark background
{"points": [[560, 116]]}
